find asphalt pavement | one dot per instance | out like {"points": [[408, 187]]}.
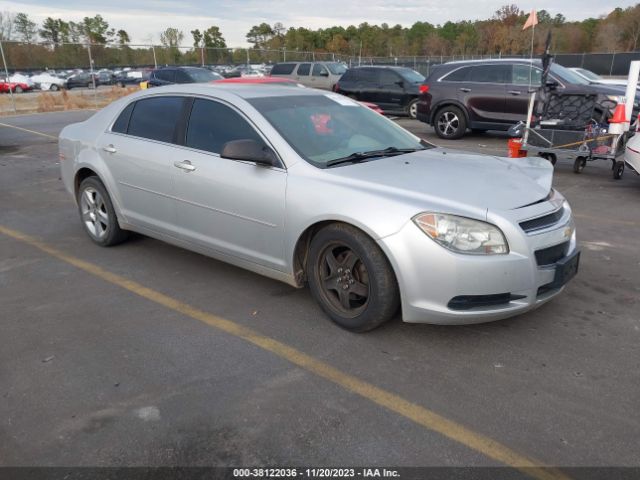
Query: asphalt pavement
{"points": [[98, 374]]}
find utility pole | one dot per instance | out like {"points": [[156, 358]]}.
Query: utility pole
{"points": [[6, 72]]}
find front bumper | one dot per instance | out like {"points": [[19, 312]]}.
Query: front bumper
{"points": [[430, 276]]}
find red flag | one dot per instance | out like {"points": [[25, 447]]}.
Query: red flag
{"points": [[532, 20]]}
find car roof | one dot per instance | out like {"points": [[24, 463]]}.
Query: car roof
{"points": [[493, 60], [242, 90]]}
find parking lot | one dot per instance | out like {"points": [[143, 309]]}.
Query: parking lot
{"points": [[147, 354]]}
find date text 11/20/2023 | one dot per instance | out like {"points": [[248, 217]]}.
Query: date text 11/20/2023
{"points": [[315, 473]]}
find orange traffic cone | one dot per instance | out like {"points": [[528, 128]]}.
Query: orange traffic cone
{"points": [[619, 114], [618, 124]]}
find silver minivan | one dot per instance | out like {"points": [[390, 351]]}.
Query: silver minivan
{"points": [[311, 74]]}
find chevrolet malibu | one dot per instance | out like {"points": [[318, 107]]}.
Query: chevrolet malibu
{"points": [[309, 187]]}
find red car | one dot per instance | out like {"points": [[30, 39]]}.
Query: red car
{"points": [[16, 87], [283, 81]]}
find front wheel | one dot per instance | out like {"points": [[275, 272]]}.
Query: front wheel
{"points": [[54, 87], [97, 214], [351, 279], [450, 123], [18, 89], [618, 170], [579, 164]]}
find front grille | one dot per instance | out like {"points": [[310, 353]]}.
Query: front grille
{"points": [[467, 302], [542, 222], [550, 255]]}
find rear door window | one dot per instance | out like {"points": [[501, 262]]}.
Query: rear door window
{"points": [[283, 69], [183, 77], [490, 74], [319, 70], [212, 124], [156, 118], [388, 79], [304, 69]]}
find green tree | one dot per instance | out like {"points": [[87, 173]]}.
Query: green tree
{"points": [[123, 37], [25, 28], [259, 35], [212, 38], [96, 30], [197, 38]]}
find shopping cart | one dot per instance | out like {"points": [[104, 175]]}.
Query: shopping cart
{"points": [[575, 126]]}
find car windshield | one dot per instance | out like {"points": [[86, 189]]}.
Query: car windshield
{"points": [[411, 75], [203, 75], [326, 129], [336, 68], [590, 75], [567, 75]]}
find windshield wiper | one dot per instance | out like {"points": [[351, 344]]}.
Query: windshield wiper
{"points": [[358, 157]]}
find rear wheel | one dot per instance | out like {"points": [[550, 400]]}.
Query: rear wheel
{"points": [[18, 89], [54, 87], [618, 170], [579, 164], [97, 214], [351, 279], [549, 156], [412, 109], [450, 123]]}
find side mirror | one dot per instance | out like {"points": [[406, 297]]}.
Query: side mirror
{"points": [[400, 83], [249, 150], [552, 84]]}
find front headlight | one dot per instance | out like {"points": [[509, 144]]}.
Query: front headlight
{"points": [[463, 235]]}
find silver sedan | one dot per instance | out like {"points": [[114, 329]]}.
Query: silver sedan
{"points": [[309, 187]]}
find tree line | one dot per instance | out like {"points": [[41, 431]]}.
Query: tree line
{"points": [[501, 34]]}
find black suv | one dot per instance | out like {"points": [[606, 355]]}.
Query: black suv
{"points": [[492, 94], [171, 75], [394, 89]]}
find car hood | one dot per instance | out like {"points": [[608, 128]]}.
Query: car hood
{"points": [[458, 179]]}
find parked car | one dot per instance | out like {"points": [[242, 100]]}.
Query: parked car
{"points": [[8, 86], [170, 75], [105, 77], [493, 94], [284, 82], [591, 77], [394, 89], [47, 81], [322, 75], [83, 79], [131, 77], [373, 218]]}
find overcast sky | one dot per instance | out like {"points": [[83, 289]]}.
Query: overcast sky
{"points": [[145, 19]]}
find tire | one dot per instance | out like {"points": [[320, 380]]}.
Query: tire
{"points": [[412, 109], [54, 87], [351, 279], [579, 164], [18, 89], [450, 123], [618, 170], [97, 214]]}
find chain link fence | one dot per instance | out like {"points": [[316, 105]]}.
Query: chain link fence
{"points": [[22, 57]]}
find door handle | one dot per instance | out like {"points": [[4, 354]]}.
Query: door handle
{"points": [[110, 149], [184, 165], [514, 92], [465, 90]]}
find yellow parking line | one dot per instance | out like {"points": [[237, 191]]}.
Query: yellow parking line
{"points": [[391, 401], [28, 131]]}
